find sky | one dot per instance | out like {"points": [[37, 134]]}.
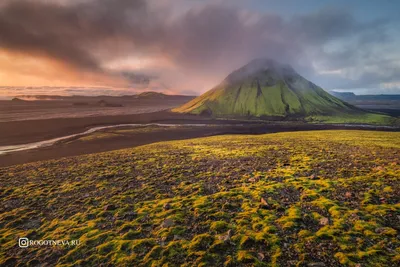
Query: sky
{"points": [[188, 46]]}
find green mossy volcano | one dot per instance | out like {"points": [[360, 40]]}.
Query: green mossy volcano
{"points": [[266, 89]]}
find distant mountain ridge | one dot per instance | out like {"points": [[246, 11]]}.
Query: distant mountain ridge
{"points": [[144, 95], [352, 96]]}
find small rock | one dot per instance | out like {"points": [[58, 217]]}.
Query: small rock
{"points": [[252, 180], [316, 264], [314, 177], [263, 203], [260, 256], [167, 223], [323, 221], [110, 207], [163, 241], [167, 206], [177, 237], [226, 237], [379, 168]]}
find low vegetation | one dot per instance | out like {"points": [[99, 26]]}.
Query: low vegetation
{"points": [[322, 198]]}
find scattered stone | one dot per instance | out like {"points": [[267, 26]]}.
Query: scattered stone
{"points": [[260, 256], [167, 223], [167, 206], [226, 237], [323, 221], [252, 180], [316, 264], [263, 203], [32, 224], [110, 207], [163, 241], [177, 237]]}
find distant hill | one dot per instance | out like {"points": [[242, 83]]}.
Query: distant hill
{"points": [[350, 96], [342, 95], [388, 104], [266, 89], [16, 99], [104, 103], [152, 95], [157, 95], [144, 95]]}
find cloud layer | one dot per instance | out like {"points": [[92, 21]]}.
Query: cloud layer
{"points": [[127, 41]]}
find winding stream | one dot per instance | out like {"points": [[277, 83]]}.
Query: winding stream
{"points": [[50, 142]]}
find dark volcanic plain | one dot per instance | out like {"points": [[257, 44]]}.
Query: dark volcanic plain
{"points": [[125, 137], [44, 120]]}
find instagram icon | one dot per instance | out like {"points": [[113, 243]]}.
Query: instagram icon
{"points": [[23, 242]]}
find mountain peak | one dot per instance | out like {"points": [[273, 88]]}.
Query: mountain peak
{"points": [[266, 88], [258, 66]]}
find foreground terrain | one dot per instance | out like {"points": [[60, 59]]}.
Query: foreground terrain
{"points": [[317, 198]]}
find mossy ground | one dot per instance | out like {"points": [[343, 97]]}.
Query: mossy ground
{"points": [[282, 199]]}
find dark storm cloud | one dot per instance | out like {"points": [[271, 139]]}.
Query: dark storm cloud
{"points": [[72, 33], [209, 40], [323, 26]]}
